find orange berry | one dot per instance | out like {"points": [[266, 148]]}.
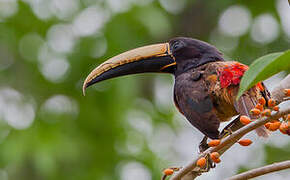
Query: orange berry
{"points": [[168, 171], [245, 120], [201, 162], [214, 155], [214, 142], [245, 142], [217, 160], [255, 111], [274, 126], [260, 107], [266, 112], [287, 92], [276, 108], [271, 102], [262, 101], [267, 125]]}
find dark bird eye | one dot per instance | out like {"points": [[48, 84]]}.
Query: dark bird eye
{"points": [[177, 46]]}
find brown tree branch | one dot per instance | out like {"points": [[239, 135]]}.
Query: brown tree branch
{"points": [[262, 170], [225, 145]]}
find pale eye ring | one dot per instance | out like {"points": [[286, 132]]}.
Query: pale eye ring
{"points": [[177, 46]]}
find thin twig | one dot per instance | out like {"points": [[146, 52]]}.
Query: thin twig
{"points": [[227, 143], [261, 170], [278, 94]]}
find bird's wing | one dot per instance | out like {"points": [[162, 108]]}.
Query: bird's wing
{"points": [[193, 101]]}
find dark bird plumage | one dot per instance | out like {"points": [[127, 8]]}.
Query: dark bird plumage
{"points": [[205, 87]]}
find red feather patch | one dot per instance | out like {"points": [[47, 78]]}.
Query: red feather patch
{"points": [[231, 75]]}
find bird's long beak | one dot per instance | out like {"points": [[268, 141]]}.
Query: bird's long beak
{"points": [[152, 58]]}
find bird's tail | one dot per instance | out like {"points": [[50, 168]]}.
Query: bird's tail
{"points": [[245, 104]]}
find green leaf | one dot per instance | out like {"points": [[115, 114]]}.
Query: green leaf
{"points": [[263, 68]]}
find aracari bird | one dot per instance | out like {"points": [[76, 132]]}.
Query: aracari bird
{"points": [[206, 85]]}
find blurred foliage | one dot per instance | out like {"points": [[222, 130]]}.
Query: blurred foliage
{"points": [[263, 68], [50, 131]]}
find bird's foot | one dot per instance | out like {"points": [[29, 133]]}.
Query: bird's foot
{"points": [[231, 127], [209, 164], [203, 144], [225, 133]]}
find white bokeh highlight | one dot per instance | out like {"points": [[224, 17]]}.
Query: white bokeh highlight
{"points": [[163, 94], [173, 6], [162, 142], [134, 143], [143, 2], [60, 38], [235, 21], [141, 122], [265, 29], [8, 8], [60, 104], [40, 8], [284, 13], [186, 142], [64, 9], [117, 6], [15, 109], [46, 53], [55, 69], [90, 20], [134, 170], [46, 9]]}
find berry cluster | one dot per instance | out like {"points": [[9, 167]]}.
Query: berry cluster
{"points": [[283, 125], [259, 111]]}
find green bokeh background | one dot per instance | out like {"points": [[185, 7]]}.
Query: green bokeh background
{"points": [[86, 140]]}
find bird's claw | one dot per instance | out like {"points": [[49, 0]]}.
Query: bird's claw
{"points": [[203, 145], [209, 164], [225, 133]]}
